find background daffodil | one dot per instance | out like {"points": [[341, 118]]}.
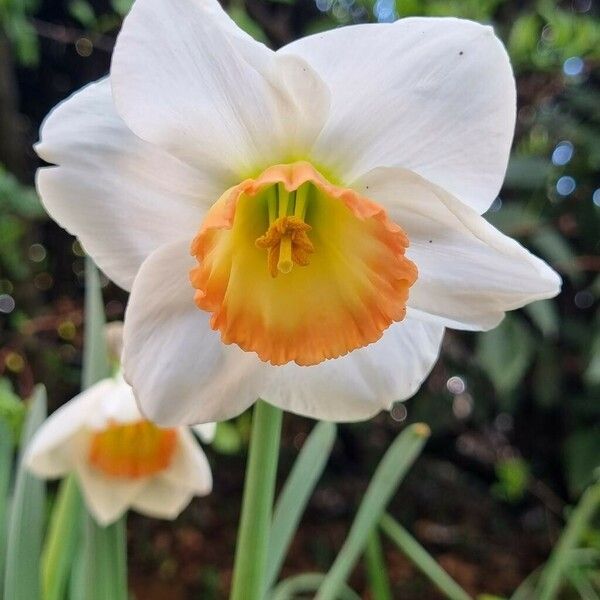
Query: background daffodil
{"points": [[120, 459]]}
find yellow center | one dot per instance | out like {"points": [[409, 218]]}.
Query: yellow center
{"points": [[295, 268], [132, 450]]}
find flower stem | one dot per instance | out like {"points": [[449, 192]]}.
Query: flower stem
{"points": [[257, 505]]}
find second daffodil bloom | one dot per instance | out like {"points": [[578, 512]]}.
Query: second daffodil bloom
{"points": [[121, 460], [298, 225]]}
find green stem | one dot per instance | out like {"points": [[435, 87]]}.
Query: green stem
{"points": [[422, 559], [257, 506], [379, 581]]}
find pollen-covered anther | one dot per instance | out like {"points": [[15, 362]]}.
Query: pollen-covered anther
{"points": [[132, 450], [287, 243]]}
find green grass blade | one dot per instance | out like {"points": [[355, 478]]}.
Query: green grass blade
{"points": [[422, 559], [554, 572], [6, 457], [26, 523], [102, 574], [289, 589], [62, 540], [296, 493], [391, 470], [95, 355], [379, 582]]}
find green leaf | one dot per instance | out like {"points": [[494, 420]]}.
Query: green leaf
{"points": [[121, 7], [379, 581], [62, 539], [83, 12], [592, 373], [296, 493], [391, 470], [555, 569], [227, 438], [554, 247], [6, 455], [95, 354], [104, 574], [513, 479], [581, 455], [291, 588], [246, 23], [422, 559], [505, 353], [12, 410], [545, 316], [524, 36], [26, 523], [103, 570], [527, 172]]}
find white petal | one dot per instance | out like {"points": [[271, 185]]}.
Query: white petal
{"points": [[189, 468], [362, 383], [161, 500], [116, 406], [182, 373], [206, 431], [187, 79], [470, 274], [433, 95], [179, 369], [120, 196], [51, 452], [107, 498]]}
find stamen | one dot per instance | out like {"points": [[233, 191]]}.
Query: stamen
{"points": [[272, 204], [287, 244], [301, 197], [285, 262], [283, 197]]}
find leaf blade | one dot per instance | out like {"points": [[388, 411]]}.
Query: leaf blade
{"points": [[296, 492], [26, 524], [389, 473]]}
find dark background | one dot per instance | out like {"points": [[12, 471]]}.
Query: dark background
{"points": [[514, 412]]}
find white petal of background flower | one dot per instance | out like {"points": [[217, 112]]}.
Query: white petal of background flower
{"points": [[206, 431], [117, 406], [470, 273], [120, 196], [189, 469], [107, 498], [161, 500], [436, 96], [180, 370], [362, 383], [50, 452], [186, 78], [61, 446]]}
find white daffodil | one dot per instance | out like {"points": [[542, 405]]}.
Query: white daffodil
{"points": [[298, 225], [121, 460]]}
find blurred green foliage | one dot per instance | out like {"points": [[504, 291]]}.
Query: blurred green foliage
{"points": [[20, 208], [12, 409]]}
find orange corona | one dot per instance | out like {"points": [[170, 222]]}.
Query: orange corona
{"points": [[132, 450], [295, 268]]}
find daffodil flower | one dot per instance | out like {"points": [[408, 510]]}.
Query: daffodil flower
{"points": [[120, 459], [298, 225]]}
